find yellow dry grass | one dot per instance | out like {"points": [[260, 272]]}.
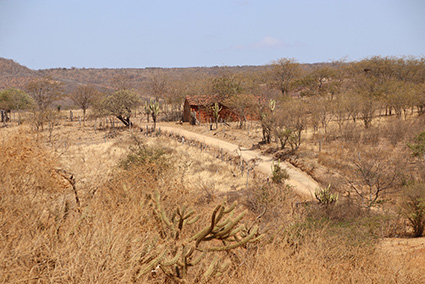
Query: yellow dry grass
{"points": [[45, 237]]}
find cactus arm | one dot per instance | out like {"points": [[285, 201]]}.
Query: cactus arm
{"points": [[211, 270], [238, 244], [153, 263], [231, 208], [173, 260], [200, 235], [194, 220]]}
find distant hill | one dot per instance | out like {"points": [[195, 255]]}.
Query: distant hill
{"points": [[12, 74], [9, 67]]}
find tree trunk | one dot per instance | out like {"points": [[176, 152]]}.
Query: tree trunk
{"points": [[125, 120]]}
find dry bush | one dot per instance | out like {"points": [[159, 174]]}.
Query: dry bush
{"points": [[322, 252], [395, 131], [45, 237], [371, 135], [350, 133]]}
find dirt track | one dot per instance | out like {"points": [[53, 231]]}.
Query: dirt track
{"points": [[301, 181]]}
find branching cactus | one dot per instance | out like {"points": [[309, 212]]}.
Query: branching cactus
{"points": [[325, 196], [154, 108], [147, 111], [176, 254], [216, 113]]}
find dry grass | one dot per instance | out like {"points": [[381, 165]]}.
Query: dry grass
{"points": [[46, 237]]}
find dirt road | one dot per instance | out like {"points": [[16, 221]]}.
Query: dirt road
{"points": [[301, 181]]}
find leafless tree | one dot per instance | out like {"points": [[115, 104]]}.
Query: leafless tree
{"points": [[83, 96], [371, 175]]}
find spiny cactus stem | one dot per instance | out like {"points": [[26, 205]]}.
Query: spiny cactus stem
{"points": [[225, 222], [233, 246], [153, 263], [173, 260], [231, 208], [198, 259], [211, 269]]}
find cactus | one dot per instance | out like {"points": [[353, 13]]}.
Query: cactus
{"points": [[216, 113], [177, 254], [154, 108], [147, 111], [272, 105], [325, 196]]}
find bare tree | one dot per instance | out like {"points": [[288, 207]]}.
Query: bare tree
{"points": [[283, 74], [371, 175], [44, 91], [243, 105], [83, 96], [158, 85]]}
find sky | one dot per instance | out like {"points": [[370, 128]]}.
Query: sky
{"points": [[44, 34]]}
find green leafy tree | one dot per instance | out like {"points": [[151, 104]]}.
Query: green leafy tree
{"points": [[120, 104], [15, 99]]}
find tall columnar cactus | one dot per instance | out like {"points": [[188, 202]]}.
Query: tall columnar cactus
{"points": [[216, 113], [272, 105], [147, 111], [154, 108], [176, 254]]}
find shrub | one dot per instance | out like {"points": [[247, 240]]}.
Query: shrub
{"points": [[418, 148], [279, 175], [142, 154], [413, 208]]}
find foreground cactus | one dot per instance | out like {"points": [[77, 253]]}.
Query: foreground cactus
{"points": [[177, 255]]}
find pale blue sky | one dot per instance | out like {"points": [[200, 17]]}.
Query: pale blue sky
{"points": [[181, 33]]}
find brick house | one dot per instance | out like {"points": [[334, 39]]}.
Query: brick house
{"points": [[200, 105]]}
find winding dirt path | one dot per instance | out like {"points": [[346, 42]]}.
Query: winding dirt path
{"points": [[302, 182]]}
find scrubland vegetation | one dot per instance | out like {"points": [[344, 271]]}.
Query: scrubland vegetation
{"points": [[86, 197]]}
